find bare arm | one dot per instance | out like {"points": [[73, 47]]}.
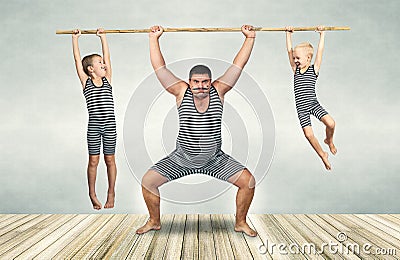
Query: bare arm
{"points": [[168, 80], [106, 53], [320, 50], [289, 47], [226, 82], [77, 57]]}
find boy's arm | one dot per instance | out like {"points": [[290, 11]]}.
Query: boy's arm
{"points": [[226, 82], [106, 53], [289, 47], [77, 57], [168, 80], [318, 56]]}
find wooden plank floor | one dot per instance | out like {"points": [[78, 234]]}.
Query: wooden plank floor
{"points": [[203, 236]]}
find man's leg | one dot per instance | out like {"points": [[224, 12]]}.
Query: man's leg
{"points": [[91, 175], [150, 183], [245, 181], [309, 134], [112, 175]]}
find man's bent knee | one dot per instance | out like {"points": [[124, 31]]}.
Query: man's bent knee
{"points": [[252, 182], [243, 179], [153, 179]]}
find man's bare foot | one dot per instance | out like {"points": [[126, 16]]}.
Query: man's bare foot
{"points": [[331, 146], [325, 161], [95, 202], [245, 228], [110, 201], [150, 225]]}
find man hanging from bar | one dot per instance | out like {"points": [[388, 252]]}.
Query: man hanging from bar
{"points": [[198, 145]]}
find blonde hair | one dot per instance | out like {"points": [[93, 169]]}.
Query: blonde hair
{"points": [[307, 47]]}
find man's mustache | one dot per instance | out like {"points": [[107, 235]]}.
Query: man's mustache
{"points": [[202, 88]]}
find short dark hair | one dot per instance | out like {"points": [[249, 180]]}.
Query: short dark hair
{"points": [[200, 69], [88, 61]]}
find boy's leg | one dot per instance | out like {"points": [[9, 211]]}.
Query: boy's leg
{"points": [[330, 129], [112, 175], [309, 134], [109, 137], [91, 175]]}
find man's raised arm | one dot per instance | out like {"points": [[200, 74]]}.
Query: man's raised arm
{"points": [[167, 79], [226, 82]]}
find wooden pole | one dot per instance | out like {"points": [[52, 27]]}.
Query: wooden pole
{"points": [[261, 29]]}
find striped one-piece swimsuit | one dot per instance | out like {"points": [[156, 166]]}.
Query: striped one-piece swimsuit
{"points": [[198, 146], [305, 96], [101, 126]]}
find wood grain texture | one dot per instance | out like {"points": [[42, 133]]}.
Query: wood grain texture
{"points": [[195, 236], [225, 29], [190, 248]]}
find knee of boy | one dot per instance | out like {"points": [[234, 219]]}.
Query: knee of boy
{"points": [[93, 161], [109, 160], [309, 135], [331, 124]]}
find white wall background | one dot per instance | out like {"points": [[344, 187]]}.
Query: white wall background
{"points": [[43, 113]]}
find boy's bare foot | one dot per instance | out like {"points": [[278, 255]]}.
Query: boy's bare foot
{"points": [[245, 228], [150, 225], [331, 146], [110, 201], [95, 202], [325, 161]]}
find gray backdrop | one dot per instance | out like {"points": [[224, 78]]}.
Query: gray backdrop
{"points": [[43, 113]]}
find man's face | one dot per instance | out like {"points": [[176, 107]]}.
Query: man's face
{"points": [[200, 85]]}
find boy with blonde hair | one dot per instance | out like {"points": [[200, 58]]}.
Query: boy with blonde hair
{"points": [[305, 77], [94, 73]]}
